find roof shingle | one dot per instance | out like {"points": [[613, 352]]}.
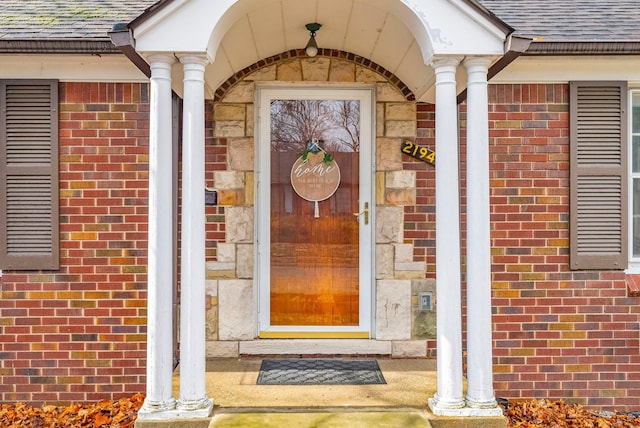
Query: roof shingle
{"points": [[65, 19], [543, 20], [570, 20]]}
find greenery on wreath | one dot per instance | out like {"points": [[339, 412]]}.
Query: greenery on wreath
{"points": [[327, 158], [313, 147]]}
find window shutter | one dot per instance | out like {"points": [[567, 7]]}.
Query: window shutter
{"points": [[29, 175], [598, 133]]}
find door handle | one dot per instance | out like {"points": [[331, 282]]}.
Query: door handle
{"points": [[365, 211]]}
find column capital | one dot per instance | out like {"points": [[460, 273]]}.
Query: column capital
{"points": [[440, 62], [193, 66], [195, 58], [161, 58], [480, 62], [160, 65], [477, 68]]}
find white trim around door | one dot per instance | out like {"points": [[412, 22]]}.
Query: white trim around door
{"points": [[364, 95]]}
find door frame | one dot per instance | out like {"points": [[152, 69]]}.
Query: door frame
{"points": [[365, 93]]}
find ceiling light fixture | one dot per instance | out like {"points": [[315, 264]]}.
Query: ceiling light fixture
{"points": [[312, 47]]}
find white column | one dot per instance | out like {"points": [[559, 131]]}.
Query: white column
{"points": [[448, 283], [160, 251], [193, 400], [479, 345]]}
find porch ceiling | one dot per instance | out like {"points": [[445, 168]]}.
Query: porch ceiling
{"points": [[368, 30], [395, 34]]}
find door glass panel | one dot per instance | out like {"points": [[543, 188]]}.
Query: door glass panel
{"points": [[635, 154], [635, 175], [635, 120], [314, 249], [636, 217]]}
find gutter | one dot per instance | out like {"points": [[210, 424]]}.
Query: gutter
{"points": [[121, 42], [515, 46], [67, 46], [122, 38], [583, 48]]}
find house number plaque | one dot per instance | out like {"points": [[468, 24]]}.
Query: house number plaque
{"points": [[419, 152]]}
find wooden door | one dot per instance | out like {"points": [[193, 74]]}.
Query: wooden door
{"points": [[314, 260], [315, 238]]}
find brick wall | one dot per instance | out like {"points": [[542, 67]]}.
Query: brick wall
{"points": [[78, 334], [215, 160], [558, 333], [420, 219]]}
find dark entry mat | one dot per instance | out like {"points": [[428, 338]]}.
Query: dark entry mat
{"points": [[314, 371]]}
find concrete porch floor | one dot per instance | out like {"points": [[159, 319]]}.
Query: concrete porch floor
{"points": [[402, 402]]}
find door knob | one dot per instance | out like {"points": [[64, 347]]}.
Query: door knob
{"points": [[365, 211]]}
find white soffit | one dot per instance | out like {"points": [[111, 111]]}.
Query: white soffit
{"points": [[71, 68], [550, 69]]}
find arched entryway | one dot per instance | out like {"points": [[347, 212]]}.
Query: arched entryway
{"points": [[437, 60], [375, 97]]}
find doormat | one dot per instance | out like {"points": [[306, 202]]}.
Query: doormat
{"points": [[319, 371]]}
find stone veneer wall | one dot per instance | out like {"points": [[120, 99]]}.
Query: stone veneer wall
{"points": [[231, 315]]}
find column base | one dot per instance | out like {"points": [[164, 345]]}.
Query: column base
{"points": [[201, 408], [444, 407], [157, 409], [440, 408], [481, 404]]}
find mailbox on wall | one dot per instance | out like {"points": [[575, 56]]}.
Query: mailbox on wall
{"points": [[210, 196]]}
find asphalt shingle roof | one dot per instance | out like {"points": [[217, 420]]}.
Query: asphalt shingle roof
{"points": [[570, 20], [65, 19], [546, 20]]}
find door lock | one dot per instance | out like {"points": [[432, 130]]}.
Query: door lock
{"points": [[365, 211]]}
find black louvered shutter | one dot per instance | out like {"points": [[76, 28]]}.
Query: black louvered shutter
{"points": [[29, 175], [598, 133]]}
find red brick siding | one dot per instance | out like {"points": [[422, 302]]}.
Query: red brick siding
{"points": [[78, 334], [558, 333], [215, 160], [419, 220]]}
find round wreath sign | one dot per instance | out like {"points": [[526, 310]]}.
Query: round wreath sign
{"points": [[315, 177]]}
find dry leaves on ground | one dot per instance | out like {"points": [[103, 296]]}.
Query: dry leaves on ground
{"points": [[104, 414], [545, 413], [123, 413]]}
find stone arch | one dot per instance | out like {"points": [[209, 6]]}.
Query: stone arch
{"points": [[365, 63]]}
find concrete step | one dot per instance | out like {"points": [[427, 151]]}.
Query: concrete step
{"points": [[322, 419], [327, 418]]}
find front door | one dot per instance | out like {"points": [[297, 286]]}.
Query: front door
{"points": [[315, 212]]}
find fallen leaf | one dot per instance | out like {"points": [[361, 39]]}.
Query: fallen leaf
{"points": [[539, 413], [104, 414]]}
